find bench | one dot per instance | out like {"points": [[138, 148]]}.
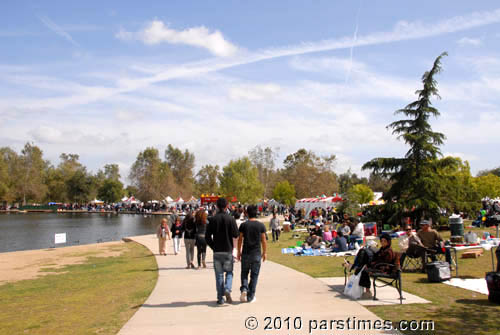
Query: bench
{"points": [[387, 274]]}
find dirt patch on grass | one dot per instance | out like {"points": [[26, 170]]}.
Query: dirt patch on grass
{"points": [[21, 265]]}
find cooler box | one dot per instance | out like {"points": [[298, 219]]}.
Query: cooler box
{"points": [[438, 272], [370, 228], [493, 282], [286, 226]]}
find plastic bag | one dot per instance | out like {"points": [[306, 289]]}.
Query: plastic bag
{"points": [[352, 288]]}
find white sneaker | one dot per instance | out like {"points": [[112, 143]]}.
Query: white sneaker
{"points": [[254, 299], [243, 296]]}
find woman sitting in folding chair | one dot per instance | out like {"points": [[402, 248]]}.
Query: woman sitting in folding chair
{"points": [[415, 250]]}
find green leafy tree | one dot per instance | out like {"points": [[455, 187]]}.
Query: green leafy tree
{"points": [[284, 193], [31, 173], [111, 191], [310, 174], [458, 192], [151, 176], [488, 186], [68, 166], [240, 178], [12, 164], [414, 191], [181, 164], [379, 183], [131, 190], [4, 178], [264, 160], [207, 180], [56, 186], [348, 179], [361, 194], [495, 171], [79, 186], [112, 172]]}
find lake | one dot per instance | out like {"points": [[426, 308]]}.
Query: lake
{"points": [[36, 230]]}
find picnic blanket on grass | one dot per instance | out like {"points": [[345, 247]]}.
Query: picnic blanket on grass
{"points": [[298, 251]]}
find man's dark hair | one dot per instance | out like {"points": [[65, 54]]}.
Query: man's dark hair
{"points": [[221, 203], [252, 211]]}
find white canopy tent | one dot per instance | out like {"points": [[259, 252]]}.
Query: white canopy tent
{"points": [[132, 201], [179, 201], [324, 202], [97, 202], [192, 201], [169, 200]]}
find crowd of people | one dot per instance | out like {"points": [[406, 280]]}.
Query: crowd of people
{"points": [[343, 234], [232, 233]]}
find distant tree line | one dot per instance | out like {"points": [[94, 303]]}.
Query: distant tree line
{"points": [[27, 177]]}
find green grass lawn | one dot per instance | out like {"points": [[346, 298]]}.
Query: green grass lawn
{"points": [[97, 297], [454, 310]]}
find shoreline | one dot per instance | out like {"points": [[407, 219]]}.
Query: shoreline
{"points": [[123, 239], [16, 211], [32, 264]]}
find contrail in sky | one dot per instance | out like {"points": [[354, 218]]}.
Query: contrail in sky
{"points": [[355, 38], [57, 29]]}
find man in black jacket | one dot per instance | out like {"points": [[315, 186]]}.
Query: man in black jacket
{"points": [[221, 230]]}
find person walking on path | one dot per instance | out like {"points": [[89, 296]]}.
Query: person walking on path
{"points": [[177, 235], [189, 228], [275, 227], [252, 236], [201, 243], [163, 232], [221, 230]]}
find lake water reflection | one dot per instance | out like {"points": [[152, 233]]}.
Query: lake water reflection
{"points": [[36, 230]]}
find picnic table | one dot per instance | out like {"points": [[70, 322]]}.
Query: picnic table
{"points": [[456, 249]]}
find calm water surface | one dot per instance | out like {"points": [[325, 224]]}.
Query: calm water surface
{"points": [[36, 230]]}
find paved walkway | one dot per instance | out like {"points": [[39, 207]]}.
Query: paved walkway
{"points": [[184, 302]]}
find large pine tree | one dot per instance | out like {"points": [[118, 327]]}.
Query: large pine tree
{"points": [[414, 191]]}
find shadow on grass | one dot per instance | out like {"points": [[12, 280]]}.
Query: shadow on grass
{"points": [[477, 302]]}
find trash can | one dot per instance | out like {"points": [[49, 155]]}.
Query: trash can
{"points": [[456, 228]]}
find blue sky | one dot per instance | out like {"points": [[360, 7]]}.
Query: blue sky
{"points": [[106, 79]]}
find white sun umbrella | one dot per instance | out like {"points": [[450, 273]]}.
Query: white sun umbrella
{"points": [[169, 200]]}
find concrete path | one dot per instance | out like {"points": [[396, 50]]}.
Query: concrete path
{"points": [[184, 302]]}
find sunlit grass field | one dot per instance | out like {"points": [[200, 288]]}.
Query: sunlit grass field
{"points": [[97, 297], [454, 310]]}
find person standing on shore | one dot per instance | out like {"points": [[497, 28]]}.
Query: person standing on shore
{"points": [[177, 235], [252, 236], [189, 228], [221, 230], [201, 244], [275, 227], [163, 232]]}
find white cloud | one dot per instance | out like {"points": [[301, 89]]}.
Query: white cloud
{"points": [[125, 115], [57, 29], [254, 92], [466, 41], [157, 32], [462, 156]]}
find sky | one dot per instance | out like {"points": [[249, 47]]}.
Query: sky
{"points": [[107, 79]]}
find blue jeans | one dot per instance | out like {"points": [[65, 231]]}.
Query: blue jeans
{"points": [[250, 264], [223, 263]]}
